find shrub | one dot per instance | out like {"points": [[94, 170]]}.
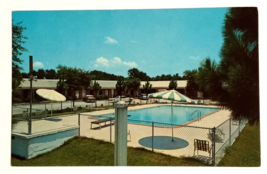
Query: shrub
{"points": [[101, 97]]}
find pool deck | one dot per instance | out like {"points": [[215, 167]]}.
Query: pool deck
{"points": [[137, 131]]}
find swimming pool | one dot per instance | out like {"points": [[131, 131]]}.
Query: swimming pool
{"points": [[162, 114]]}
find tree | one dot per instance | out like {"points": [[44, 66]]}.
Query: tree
{"points": [[135, 85], [147, 87], [17, 50], [62, 86], [96, 88], [85, 79], [173, 84], [50, 74], [41, 74], [239, 66], [71, 77], [103, 75], [135, 73], [119, 85], [208, 78], [126, 85], [192, 86]]}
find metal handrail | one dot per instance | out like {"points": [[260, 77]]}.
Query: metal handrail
{"points": [[198, 114]]}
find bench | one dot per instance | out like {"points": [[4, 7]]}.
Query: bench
{"points": [[101, 121], [104, 121]]}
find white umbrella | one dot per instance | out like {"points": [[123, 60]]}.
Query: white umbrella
{"points": [[172, 95], [51, 95]]}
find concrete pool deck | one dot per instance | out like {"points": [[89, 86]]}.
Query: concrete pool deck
{"points": [[138, 131]]}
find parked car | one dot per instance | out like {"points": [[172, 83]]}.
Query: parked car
{"points": [[89, 99], [143, 97], [114, 100]]}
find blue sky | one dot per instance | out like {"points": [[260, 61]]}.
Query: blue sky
{"points": [[157, 42]]}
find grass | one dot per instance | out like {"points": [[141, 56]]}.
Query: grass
{"points": [[81, 151], [245, 151]]}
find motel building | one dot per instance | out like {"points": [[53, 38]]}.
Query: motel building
{"points": [[108, 88]]}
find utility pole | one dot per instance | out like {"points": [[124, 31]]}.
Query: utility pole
{"points": [[31, 78]]}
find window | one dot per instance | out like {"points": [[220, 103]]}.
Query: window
{"points": [[106, 92], [112, 93]]}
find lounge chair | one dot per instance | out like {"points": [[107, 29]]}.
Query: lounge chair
{"points": [[218, 134], [202, 145]]}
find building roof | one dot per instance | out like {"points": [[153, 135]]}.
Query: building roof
{"points": [[165, 84], [105, 84]]}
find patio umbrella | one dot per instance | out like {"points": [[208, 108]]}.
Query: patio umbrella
{"points": [[172, 95], [51, 95]]}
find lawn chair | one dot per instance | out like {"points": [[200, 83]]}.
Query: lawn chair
{"points": [[202, 145], [25, 115], [220, 133], [74, 109], [129, 134], [88, 107]]}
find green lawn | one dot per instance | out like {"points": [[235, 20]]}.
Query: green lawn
{"points": [[89, 152], [246, 149]]}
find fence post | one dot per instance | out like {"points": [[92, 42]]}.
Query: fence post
{"points": [[110, 131], [213, 146], [152, 136], [230, 131], [79, 123]]}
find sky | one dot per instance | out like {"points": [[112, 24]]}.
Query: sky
{"points": [[155, 41]]}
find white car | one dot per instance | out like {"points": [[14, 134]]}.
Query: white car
{"points": [[143, 97]]}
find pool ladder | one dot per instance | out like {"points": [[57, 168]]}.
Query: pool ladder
{"points": [[198, 115]]}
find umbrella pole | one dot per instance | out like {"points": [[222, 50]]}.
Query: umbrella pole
{"points": [[51, 108], [172, 122]]}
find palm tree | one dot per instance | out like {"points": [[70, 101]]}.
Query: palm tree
{"points": [[135, 85], [120, 84], [208, 77], [192, 86], [147, 87], [239, 65], [173, 84]]}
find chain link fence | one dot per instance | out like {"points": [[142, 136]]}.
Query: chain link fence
{"points": [[204, 143], [170, 139], [174, 140], [228, 131], [42, 122]]}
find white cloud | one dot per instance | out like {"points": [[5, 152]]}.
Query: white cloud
{"points": [[110, 40], [38, 65], [102, 61], [130, 64], [194, 57], [115, 62]]}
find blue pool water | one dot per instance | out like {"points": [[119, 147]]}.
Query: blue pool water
{"points": [[162, 114]]}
